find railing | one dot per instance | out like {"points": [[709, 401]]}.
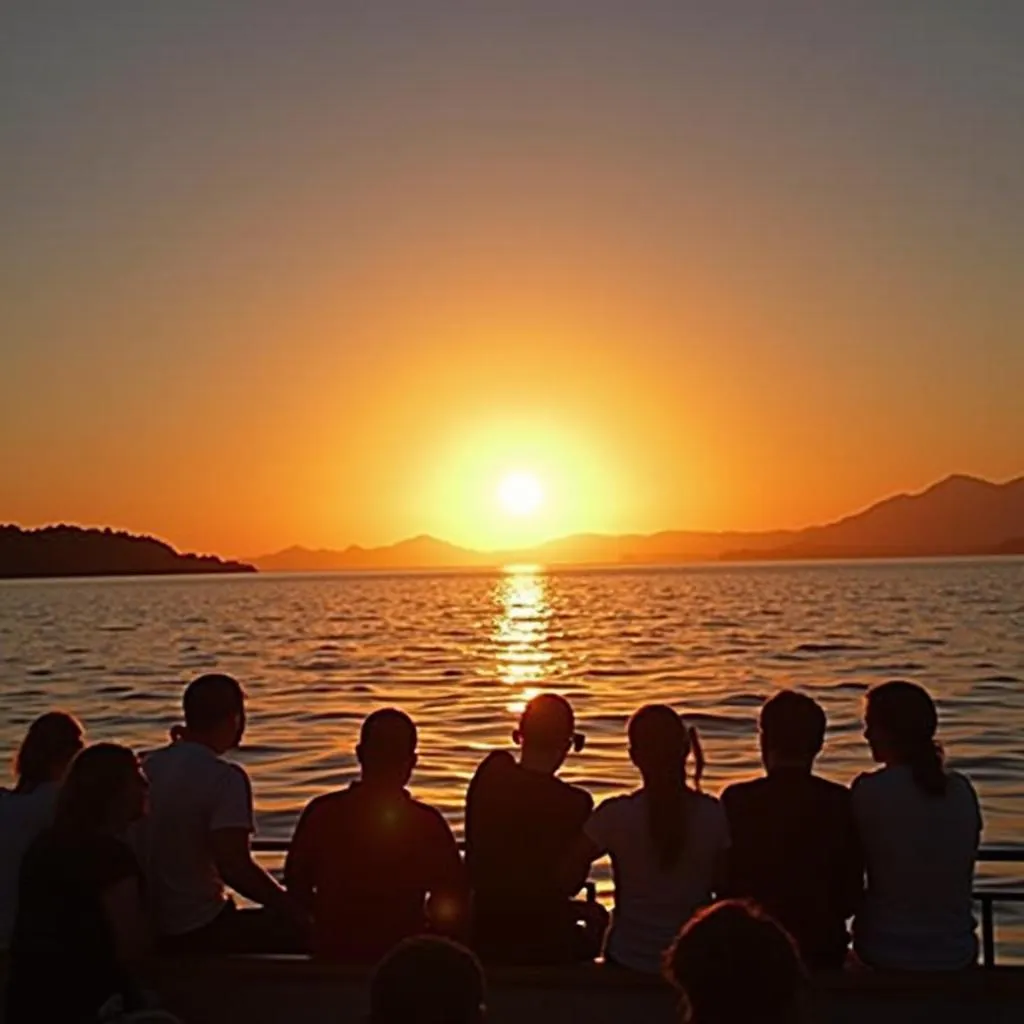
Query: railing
{"points": [[987, 898]]}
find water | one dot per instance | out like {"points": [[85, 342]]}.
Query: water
{"points": [[461, 652]]}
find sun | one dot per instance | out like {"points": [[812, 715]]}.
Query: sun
{"points": [[520, 494]]}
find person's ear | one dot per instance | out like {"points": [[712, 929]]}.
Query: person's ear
{"points": [[517, 737], [359, 752], [414, 760]]}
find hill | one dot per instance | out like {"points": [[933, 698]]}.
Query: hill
{"points": [[73, 551], [960, 515]]}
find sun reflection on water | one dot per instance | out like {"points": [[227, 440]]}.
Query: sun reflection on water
{"points": [[521, 632]]}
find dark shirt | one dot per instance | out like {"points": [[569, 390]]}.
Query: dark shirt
{"points": [[520, 825], [63, 958], [366, 861], [795, 851]]}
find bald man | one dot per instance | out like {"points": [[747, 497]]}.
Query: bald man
{"points": [[521, 819]]}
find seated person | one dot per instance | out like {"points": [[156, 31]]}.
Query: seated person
{"points": [[196, 840], [51, 742], [667, 843], [920, 826], [428, 980], [521, 821], [794, 849], [81, 930], [733, 964], [374, 865]]}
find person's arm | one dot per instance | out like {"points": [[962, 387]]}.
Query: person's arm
{"points": [[122, 906], [299, 875], [231, 824], [448, 900], [232, 854], [851, 862], [575, 868]]}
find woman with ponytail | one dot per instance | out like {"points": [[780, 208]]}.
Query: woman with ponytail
{"points": [[666, 841], [920, 826]]}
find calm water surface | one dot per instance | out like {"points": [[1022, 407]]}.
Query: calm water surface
{"points": [[462, 652]]}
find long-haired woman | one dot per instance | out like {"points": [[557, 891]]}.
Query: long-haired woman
{"points": [[50, 743], [80, 926], [666, 840], [920, 826]]}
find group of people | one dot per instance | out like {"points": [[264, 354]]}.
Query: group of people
{"points": [[106, 858]]}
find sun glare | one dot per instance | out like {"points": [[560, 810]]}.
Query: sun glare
{"points": [[520, 494]]}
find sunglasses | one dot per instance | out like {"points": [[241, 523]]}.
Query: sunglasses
{"points": [[579, 741]]}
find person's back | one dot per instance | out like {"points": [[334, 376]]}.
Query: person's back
{"points": [[920, 852], [521, 821], [794, 844], [196, 841], [667, 843], [366, 859], [193, 791], [920, 827], [50, 743]]}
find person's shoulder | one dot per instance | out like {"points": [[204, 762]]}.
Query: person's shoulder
{"points": [[707, 805], [959, 781], [740, 793], [428, 816], [830, 789], [496, 763], [623, 804], [579, 796]]}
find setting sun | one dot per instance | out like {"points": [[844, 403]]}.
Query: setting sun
{"points": [[520, 494]]}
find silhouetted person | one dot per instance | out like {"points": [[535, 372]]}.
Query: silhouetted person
{"points": [[49, 745], [196, 841], [374, 865], [428, 980], [521, 822], [733, 964], [81, 927], [667, 842], [920, 826], [794, 843]]}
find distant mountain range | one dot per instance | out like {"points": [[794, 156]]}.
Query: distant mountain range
{"points": [[960, 515], [73, 551]]}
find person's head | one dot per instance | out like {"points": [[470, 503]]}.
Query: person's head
{"points": [[46, 751], [104, 791], [733, 964], [387, 747], [547, 732], [900, 723], [428, 980], [792, 728], [659, 744], [214, 706]]}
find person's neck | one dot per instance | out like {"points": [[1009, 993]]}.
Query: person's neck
{"points": [[539, 761], [381, 784], [790, 766]]}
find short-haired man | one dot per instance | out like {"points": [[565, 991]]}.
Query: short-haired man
{"points": [[374, 865], [521, 822], [794, 841], [195, 842]]}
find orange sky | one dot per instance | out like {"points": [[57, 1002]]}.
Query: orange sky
{"points": [[318, 281]]}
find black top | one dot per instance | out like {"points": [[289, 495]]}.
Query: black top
{"points": [[795, 851], [519, 827], [63, 963]]}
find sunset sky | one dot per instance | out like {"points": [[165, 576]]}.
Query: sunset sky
{"points": [[329, 272]]}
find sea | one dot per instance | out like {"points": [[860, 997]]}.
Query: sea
{"points": [[462, 652]]}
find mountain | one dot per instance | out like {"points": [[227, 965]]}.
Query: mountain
{"points": [[73, 551], [960, 515]]}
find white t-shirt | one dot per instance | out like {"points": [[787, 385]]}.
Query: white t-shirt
{"points": [[22, 817], [193, 792], [652, 904], [920, 852]]}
